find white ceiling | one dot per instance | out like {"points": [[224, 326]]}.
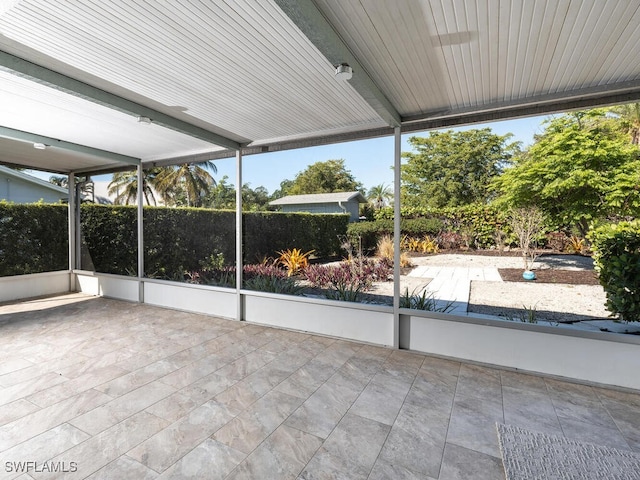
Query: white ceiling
{"points": [[219, 74]]}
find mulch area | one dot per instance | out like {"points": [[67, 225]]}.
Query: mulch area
{"points": [[572, 277]]}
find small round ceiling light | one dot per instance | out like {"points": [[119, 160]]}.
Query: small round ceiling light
{"points": [[39, 146], [344, 72], [144, 120]]}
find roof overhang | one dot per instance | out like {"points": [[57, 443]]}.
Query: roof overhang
{"points": [[215, 77]]}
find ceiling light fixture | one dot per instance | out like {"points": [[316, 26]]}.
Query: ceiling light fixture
{"points": [[39, 146], [344, 72], [144, 120]]}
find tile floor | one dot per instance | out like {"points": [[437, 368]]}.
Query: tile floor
{"points": [[103, 389]]}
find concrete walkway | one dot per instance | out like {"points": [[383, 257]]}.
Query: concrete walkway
{"points": [[453, 284]]}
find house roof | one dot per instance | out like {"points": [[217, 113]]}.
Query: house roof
{"points": [[337, 197], [216, 76], [34, 180]]}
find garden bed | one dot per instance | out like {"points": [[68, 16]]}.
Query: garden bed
{"points": [[570, 277]]}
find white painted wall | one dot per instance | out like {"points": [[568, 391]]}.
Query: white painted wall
{"points": [[112, 286], [594, 360], [18, 287], [192, 298], [580, 356], [338, 319]]}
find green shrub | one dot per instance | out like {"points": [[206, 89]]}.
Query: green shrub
{"points": [[424, 301], [348, 280], [477, 224], [33, 238], [286, 285], [419, 227], [617, 258], [370, 232]]}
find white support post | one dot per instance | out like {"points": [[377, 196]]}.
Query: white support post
{"points": [[71, 185], [396, 235], [140, 234], [77, 194], [239, 265]]}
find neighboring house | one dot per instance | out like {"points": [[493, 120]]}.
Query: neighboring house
{"points": [[341, 202], [18, 187]]}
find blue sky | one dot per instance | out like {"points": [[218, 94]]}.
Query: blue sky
{"points": [[369, 161]]}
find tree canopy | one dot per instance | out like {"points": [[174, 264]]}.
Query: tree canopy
{"points": [[582, 167], [179, 185], [450, 168], [323, 177]]}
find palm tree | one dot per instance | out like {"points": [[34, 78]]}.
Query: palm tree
{"points": [[193, 180], [60, 181], [124, 185], [380, 195]]}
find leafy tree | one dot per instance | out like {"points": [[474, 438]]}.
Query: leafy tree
{"points": [[283, 191], [450, 169], [221, 196], [324, 177], [255, 200], [380, 196], [629, 118], [582, 167]]}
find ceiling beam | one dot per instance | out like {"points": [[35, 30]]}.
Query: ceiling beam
{"points": [[74, 147], [25, 69], [593, 97], [320, 32]]}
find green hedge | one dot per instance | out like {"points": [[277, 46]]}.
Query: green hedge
{"points": [[33, 238], [265, 233], [617, 257], [184, 239], [109, 239]]}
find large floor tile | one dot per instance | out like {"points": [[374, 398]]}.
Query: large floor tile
{"points": [[167, 446], [283, 455], [125, 390], [462, 464]]}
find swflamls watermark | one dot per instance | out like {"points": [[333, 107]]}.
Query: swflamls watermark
{"points": [[40, 467]]}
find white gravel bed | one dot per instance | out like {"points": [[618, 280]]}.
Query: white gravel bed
{"points": [[565, 262], [552, 301]]}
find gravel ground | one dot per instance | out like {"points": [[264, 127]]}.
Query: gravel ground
{"points": [[553, 302], [565, 262]]}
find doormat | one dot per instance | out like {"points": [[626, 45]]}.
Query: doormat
{"points": [[528, 455]]}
